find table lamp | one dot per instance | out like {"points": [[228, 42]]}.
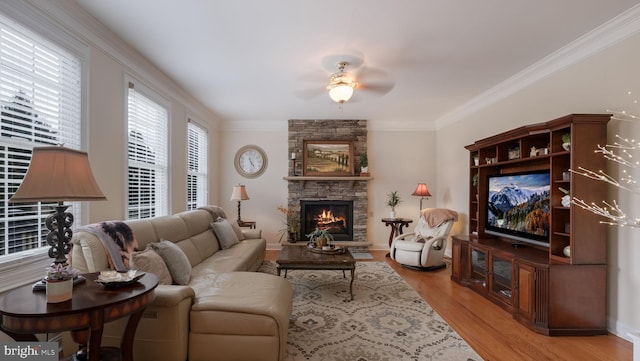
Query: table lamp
{"points": [[58, 174], [421, 191], [239, 194]]}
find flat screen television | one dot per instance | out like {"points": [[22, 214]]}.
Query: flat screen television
{"points": [[518, 206]]}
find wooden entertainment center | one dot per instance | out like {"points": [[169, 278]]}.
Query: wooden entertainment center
{"points": [[544, 289]]}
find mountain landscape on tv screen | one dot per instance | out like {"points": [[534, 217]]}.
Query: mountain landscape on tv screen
{"points": [[522, 209]]}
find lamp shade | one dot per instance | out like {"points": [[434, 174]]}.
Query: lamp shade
{"points": [[58, 174], [421, 191], [239, 193]]}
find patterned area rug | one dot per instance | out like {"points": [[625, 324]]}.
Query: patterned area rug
{"points": [[386, 321]]}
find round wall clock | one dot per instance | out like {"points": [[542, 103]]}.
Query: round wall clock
{"points": [[250, 161]]}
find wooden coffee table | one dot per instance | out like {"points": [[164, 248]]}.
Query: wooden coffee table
{"points": [[302, 258]]}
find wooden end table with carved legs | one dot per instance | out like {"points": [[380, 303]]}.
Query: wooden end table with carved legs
{"points": [[26, 313]]}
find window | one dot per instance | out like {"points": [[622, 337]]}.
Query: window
{"points": [[40, 104], [147, 155], [197, 178]]}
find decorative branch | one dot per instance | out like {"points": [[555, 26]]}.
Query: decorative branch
{"points": [[619, 152], [615, 215]]}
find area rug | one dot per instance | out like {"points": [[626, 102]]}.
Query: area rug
{"points": [[386, 321], [361, 255]]}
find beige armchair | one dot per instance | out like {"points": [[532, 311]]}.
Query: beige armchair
{"points": [[424, 248]]}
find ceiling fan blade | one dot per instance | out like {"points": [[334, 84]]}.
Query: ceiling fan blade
{"points": [[309, 93], [315, 77], [314, 84], [380, 88], [374, 80]]}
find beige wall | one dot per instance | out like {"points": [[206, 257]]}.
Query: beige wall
{"points": [[591, 86], [398, 160]]}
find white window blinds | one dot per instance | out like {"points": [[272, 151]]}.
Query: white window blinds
{"points": [[197, 177], [40, 101], [147, 156]]}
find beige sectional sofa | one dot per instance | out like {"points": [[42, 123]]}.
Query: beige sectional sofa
{"points": [[227, 311]]}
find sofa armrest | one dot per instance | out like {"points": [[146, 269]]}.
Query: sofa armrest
{"points": [[172, 295], [252, 233]]}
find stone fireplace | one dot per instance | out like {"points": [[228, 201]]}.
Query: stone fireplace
{"points": [[350, 190]]}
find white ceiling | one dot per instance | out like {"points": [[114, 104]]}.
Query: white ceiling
{"points": [[256, 60]]}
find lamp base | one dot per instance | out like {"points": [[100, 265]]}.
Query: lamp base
{"points": [[59, 238], [239, 218]]}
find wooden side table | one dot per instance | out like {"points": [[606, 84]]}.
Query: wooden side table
{"points": [[26, 313], [250, 224], [396, 225]]}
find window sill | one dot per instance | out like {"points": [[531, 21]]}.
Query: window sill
{"points": [[23, 269]]}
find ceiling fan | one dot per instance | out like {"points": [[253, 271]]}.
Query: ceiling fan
{"points": [[344, 81], [341, 84]]}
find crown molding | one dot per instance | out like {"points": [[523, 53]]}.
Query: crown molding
{"points": [[608, 34], [255, 126]]}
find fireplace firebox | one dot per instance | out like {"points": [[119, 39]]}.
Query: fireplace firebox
{"points": [[333, 215]]}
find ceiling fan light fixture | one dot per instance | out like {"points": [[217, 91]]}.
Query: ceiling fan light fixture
{"points": [[341, 93], [341, 85]]}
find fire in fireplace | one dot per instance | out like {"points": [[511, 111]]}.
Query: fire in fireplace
{"points": [[332, 215]]}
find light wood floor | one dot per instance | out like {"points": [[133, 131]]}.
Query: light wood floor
{"points": [[491, 331]]}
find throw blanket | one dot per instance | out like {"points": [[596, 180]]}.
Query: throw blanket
{"points": [[118, 241], [435, 216]]}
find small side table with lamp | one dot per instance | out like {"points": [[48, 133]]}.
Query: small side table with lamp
{"points": [[58, 174], [240, 194]]}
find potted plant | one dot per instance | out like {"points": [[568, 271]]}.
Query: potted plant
{"points": [[320, 238], [393, 199], [291, 224], [364, 165], [59, 282], [566, 141]]}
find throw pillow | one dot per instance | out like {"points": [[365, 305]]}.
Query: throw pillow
{"points": [[236, 228], [150, 261], [176, 261], [225, 233]]}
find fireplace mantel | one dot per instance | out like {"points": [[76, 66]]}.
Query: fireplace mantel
{"points": [[304, 179]]}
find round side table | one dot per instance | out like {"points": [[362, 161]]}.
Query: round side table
{"points": [[26, 313], [396, 225]]}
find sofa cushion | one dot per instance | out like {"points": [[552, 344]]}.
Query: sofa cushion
{"points": [[176, 261], [245, 256], [150, 261], [240, 315], [225, 233]]}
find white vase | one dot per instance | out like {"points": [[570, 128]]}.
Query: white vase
{"points": [[392, 214], [59, 291]]}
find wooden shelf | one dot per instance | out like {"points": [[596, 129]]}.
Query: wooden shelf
{"points": [[305, 179]]}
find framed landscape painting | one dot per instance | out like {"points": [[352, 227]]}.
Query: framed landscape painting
{"points": [[328, 158]]}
